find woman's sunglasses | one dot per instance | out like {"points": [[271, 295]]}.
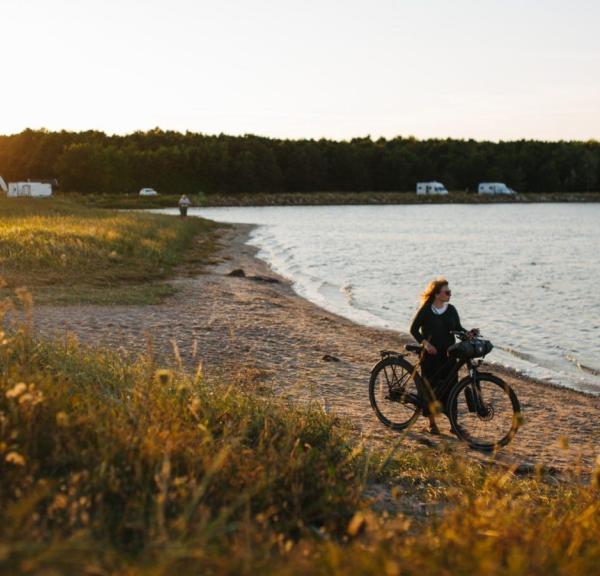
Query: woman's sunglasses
{"points": [[449, 292]]}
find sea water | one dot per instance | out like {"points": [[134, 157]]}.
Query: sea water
{"points": [[527, 275]]}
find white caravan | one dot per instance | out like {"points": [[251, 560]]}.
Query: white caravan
{"points": [[431, 188], [494, 188], [34, 189]]}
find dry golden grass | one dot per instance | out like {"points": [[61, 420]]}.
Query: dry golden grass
{"points": [[112, 465], [68, 253]]}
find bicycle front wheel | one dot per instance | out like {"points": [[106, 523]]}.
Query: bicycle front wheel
{"points": [[393, 392], [490, 423]]}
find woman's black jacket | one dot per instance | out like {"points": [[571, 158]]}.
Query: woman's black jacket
{"points": [[435, 328]]}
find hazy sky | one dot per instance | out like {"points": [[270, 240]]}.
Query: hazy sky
{"points": [[484, 69]]}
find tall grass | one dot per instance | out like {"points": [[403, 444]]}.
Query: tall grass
{"points": [[102, 454], [115, 466], [53, 243]]}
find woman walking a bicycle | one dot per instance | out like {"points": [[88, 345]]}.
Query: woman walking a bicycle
{"points": [[433, 327], [483, 409]]}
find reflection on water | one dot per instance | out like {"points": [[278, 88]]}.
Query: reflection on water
{"points": [[527, 275]]}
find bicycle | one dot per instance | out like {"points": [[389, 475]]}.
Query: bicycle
{"points": [[483, 409]]}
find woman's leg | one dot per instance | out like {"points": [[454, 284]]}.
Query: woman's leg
{"points": [[430, 366], [448, 378]]}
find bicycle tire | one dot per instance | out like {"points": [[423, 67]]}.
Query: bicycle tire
{"points": [[497, 395], [400, 372]]}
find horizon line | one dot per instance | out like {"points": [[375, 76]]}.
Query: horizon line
{"points": [[158, 129]]}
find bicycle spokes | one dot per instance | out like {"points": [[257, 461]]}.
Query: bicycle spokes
{"points": [[486, 413], [397, 378], [393, 392]]}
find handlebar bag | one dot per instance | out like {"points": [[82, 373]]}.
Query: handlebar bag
{"points": [[476, 348]]}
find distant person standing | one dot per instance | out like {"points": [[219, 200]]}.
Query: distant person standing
{"points": [[184, 204]]}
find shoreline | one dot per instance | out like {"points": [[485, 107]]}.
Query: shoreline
{"points": [[519, 368], [266, 270], [233, 325]]}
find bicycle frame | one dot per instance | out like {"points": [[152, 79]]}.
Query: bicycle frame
{"points": [[413, 388], [473, 394]]}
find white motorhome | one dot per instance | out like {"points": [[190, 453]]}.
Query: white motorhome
{"points": [[431, 188], [33, 189], [494, 188]]}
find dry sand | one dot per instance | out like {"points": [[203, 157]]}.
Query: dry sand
{"points": [[232, 324]]}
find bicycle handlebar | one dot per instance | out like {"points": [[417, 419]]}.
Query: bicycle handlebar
{"points": [[465, 335]]}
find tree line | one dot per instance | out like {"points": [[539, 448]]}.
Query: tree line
{"points": [[174, 162]]}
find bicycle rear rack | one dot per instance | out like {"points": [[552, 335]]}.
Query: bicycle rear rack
{"points": [[387, 353]]}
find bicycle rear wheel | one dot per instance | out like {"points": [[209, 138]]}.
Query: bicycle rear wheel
{"points": [[497, 419], [393, 392]]}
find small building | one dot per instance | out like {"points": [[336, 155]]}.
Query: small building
{"points": [[33, 189], [494, 188], [427, 188]]}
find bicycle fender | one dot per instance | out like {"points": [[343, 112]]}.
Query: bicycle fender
{"points": [[465, 380], [377, 364]]}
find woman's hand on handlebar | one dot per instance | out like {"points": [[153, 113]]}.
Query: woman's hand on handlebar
{"points": [[430, 348], [472, 333]]}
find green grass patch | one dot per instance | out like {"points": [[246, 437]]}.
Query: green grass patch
{"points": [[116, 466], [66, 253]]}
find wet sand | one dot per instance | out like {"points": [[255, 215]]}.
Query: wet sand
{"points": [[263, 330]]}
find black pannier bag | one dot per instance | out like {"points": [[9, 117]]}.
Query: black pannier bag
{"points": [[476, 348]]}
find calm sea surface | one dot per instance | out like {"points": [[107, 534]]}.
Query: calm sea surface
{"points": [[527, 275]]}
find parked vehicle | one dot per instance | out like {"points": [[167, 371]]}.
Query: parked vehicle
{"points": [[431, 188], [32, 189], [494, 188], [148, 192]]}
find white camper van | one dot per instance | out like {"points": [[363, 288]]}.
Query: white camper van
{"points": [[494, 188], [34, 189], [431, 188]]}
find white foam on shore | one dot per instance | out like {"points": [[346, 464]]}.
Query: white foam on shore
{"points": [[331, 297]]}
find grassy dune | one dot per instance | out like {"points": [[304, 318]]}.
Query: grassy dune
{"points": [[113, 466], [64, 252]]}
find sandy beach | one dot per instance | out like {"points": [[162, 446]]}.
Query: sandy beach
{"points": [[262, 328]]}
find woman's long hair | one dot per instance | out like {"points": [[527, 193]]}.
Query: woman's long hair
{"points": [[432, 289]]}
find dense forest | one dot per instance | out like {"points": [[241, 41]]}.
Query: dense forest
{"points": [[173, 162]]}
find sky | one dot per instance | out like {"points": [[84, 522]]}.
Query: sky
{"points": [[485, 69]]}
